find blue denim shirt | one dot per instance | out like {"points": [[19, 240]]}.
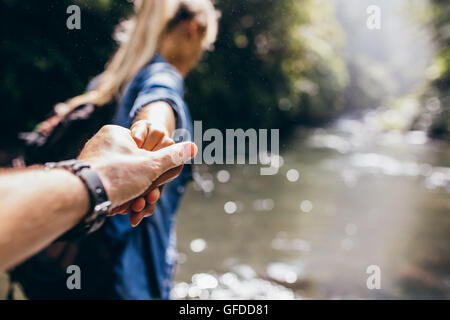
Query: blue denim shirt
{"points": [[144, 265]]}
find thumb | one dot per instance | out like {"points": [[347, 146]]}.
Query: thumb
{"points": [[174, 155]]}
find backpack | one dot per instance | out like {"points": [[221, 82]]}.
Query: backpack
{"points": [[57, 138], [63, 137]]}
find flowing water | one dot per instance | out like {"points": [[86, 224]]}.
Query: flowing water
{"points": [[361, 197], [346, 197]]}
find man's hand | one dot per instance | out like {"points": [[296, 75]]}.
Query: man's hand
{"points": [[57, 200], [129, 172], [151, 137]]}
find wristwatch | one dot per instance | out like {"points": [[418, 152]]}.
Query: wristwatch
{"points": [[100, 204]]}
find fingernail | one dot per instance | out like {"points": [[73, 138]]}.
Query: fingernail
{"points": [[139, 133], [134, 225], [194, 150], [190, 150], [153, 196]]}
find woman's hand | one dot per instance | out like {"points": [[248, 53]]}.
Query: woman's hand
{"points": [[127, 171], [150, 137]]}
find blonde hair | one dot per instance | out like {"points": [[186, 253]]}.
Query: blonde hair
{"points": [[138, 39]]}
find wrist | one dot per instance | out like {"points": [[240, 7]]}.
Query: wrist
{"points": [[79, 195], [99, 203]]}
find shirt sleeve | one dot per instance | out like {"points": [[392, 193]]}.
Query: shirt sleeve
{"points": [[161, 84]]}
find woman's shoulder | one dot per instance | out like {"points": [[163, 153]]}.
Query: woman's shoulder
{"points": [[162, 74]]}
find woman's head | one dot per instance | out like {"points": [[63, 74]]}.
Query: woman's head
{"points": [[153, 23], [192, 30]]}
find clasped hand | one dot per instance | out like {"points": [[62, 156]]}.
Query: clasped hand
{"points": [[134, 165]]}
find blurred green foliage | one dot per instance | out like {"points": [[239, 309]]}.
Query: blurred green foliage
{"points": [[42, 62], [440, 69], [275, 64]]}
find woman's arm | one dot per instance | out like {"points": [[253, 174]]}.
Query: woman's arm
{"points": [[161, 116]]}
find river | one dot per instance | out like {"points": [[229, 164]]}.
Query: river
{"points": [[355, 197]]}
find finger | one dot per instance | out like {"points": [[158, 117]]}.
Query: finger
{"points": [[165, 142], [167, 176], [164, 179], [153, 196], [139, 131], [138, 204], [122, 209], [157, 184], [172, 156], [127, 207], [149, 210], [136, 217], [154, 137]]}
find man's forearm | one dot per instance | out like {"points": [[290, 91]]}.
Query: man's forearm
{"points": [[36, 207]]}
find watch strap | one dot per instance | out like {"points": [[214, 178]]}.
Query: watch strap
{"points": [[99, 203]]}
